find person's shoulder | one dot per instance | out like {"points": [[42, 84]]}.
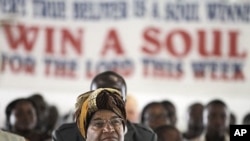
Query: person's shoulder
{"points": [[66, 132], [67, 126], [199, 138], [139, 132], [7, 136], [142, 128]]}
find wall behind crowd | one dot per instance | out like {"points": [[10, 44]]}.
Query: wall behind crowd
{"points": [[182, 51]]}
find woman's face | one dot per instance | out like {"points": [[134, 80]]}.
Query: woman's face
{"points": [[23, 116], [105, 125]]}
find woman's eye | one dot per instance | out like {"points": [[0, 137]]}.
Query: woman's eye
{"points": [[99, 124], [116, 122]]}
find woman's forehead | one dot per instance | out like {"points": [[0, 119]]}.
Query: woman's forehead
{"points": [[23, 104], [104, 114]]}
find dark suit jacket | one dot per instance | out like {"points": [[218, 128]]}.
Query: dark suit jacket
{"points": [[135, 132], [138, 132], [67, 132]]}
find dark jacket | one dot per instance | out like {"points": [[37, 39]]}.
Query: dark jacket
{"points": [[67, 132], [135, 132]]}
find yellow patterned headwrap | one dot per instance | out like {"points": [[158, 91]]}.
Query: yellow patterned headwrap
{"points": [[86, 103]]}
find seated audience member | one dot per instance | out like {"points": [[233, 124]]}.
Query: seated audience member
{"points": [[154, 115], [110, 79], [107, 79], [216, 122], [168, 133], [195, 124], [232, 121], [132, 109], [42, 111], [52, 119], [101, 115], [47, 114], [170, 107], [6, 136], [246, 119], [21, 119]]}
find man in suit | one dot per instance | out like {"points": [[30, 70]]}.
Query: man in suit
{"points": [[107, 79]]}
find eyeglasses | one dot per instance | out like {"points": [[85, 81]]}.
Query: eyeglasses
{"points": [[101, 123]]}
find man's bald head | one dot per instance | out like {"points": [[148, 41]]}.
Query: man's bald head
{"points": [[110, 79]]}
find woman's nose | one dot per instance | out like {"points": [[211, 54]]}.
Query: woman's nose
{"points": [[108, 128]]}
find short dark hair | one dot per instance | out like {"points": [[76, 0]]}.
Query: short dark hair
{"points": [[167, 103], [216, 102], [246, 119]]}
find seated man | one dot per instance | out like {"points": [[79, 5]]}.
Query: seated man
{"points": [[154, 115], [132, 109], [216, 122], [170, 107], [195, 124], [108, 79]]}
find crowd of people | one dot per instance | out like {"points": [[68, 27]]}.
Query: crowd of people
{"points": [[107, 112]]}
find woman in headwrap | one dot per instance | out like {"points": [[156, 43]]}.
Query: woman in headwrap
{"points": [[100, 115]]}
